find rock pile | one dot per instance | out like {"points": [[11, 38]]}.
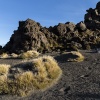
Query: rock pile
{"points": [[30, 35], [92, 18]]}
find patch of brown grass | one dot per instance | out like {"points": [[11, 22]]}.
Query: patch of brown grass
{"points": [[47, 71], [13, 55], [4, 55], [75, 56], [29, 54], [38, 74], [4, 69]]}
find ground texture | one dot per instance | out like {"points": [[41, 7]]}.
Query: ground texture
{"points": [[80, 80]]}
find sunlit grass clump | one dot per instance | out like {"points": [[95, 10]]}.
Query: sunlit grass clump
{"points": [[38, 74], [4, 69], [14, 55], [4, 55], [29, 54], [75, 56]]}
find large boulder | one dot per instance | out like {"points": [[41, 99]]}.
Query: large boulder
{"points": [[81, 26]]}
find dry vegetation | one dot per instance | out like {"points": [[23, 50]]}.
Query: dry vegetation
{"points": [[37, 74], [13, 55], [4, 69], [4, 55], [29, 54], [26, 55], [75, 56]]}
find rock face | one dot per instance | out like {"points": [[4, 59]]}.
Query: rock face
{"points": [[92, 18], [81, 26], [30, 35]]}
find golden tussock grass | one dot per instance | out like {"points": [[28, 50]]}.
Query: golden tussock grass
{"points": [[4, 69], [4, 55], [29, 54], [38, 74], [75, 56], [13, 55]]}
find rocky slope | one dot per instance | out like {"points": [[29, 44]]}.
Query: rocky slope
{"points": [[64, 36]]}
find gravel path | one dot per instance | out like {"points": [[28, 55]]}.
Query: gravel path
{"points": [[80, 80]]}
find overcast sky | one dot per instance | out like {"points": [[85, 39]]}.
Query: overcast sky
{"points": [[46, 12]]}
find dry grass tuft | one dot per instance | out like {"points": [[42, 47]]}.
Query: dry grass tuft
{"points": [[38, 74], [47, 71], [3, 84], [4, 55], [75, 56], [4, 69], [13, 55], [29, 54], [24, 83]]}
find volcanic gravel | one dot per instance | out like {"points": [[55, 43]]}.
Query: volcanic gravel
{"points": [[80, 80]]}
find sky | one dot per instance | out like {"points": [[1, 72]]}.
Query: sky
{"points": [[46, 12]]}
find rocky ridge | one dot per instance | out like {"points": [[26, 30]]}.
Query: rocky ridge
{"points": [[30, 35]]}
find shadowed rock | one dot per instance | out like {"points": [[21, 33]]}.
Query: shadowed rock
{"points": [[92, 18]]}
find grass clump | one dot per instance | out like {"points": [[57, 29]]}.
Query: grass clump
{"points": [[46, 70], [4, 69], [38, 74], [75, 56], [13, 55], [4, 55], [29, 54]]}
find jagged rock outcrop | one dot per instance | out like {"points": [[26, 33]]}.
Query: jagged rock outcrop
{"points": [[64, 36], [61, 29], [92, 18], [30, 35]]}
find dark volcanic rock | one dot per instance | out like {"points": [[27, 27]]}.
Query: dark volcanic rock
{"points": [[0, 47], [61, 29], [81, 26], [30, 35], [92, 18]]}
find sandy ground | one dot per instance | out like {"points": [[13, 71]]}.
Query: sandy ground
{"points": [[80, 80]]}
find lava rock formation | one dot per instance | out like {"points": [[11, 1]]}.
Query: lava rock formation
{"points": [[30, 35]]}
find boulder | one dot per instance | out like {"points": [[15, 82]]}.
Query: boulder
{"points": [[81, 26]]}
